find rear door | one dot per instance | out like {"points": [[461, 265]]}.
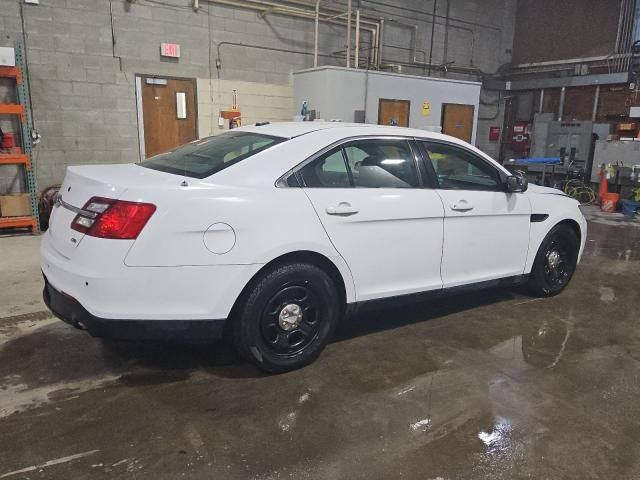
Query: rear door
{"points": [[486, 229], [369, 197]]}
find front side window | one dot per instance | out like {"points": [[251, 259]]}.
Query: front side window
{"points": [[202, 158], [382, 164], [458, 169]]}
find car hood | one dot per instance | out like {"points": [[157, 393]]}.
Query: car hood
{"points": [[539, 190]]}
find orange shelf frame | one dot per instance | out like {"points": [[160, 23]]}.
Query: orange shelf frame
{"points": [[18, 222], [12, 109], [15, 159], [11, 72]]}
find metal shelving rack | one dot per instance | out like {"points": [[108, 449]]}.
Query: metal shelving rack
{"points": [[23, 158]]}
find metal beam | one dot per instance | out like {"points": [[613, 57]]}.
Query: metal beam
{"points": [[581, 81]]}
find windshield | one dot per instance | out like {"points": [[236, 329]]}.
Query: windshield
{"points": [[202, 158]]}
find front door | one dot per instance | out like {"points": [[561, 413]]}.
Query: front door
{"points": [[169, 113], [394, 112], [457, 121], [486, 229], [369, 198]]}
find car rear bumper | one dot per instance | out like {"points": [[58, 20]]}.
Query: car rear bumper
{"points": [[97, 278], [69, 310]]}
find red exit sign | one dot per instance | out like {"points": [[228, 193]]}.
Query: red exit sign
{"points": [[170, 50]]}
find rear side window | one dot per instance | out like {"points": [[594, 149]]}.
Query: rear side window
{"points": [[328, 171], [382, 164], [364, 164], [205, 157]]}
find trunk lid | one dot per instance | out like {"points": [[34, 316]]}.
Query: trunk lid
{"points": [[83, 182]]}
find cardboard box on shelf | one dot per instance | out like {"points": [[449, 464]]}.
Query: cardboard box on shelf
{"points": [[17, 205]]}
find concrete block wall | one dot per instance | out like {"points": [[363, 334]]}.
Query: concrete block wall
{"points": [[84, 55], [259, 102]]}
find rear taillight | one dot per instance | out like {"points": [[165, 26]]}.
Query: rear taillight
{"points": [[108, 218]]}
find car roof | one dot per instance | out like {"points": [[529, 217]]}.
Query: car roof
{"points": [[309, 138], [296, 129]]}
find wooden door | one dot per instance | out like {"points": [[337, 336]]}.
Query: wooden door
{"points": [[394, 112], [163, 129], [457, 120]]}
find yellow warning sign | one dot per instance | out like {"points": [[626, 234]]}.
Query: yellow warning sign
{"points": [[426, 109]]}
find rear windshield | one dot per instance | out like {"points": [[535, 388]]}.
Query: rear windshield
{"points": [[205, 157]]}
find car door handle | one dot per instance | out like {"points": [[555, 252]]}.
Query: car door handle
{"points": [[462, 206], [344, 209]]}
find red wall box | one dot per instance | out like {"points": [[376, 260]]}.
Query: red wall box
{"points": [[494, 134]]}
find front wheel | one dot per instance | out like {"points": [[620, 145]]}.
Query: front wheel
{"points": [[555, 262], [287, 318]]}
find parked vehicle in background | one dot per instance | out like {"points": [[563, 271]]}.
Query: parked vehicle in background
{"points": [[276, 230]]}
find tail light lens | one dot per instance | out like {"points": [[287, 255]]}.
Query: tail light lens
{"points": [[109, 218]]}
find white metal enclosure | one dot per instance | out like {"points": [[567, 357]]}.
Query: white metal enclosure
{"points": [[337, 92]]}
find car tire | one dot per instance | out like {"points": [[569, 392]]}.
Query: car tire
{"points": [[555, 262], [287, 317]]}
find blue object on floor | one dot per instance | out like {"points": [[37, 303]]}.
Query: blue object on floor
{"points": [[538, 160], [629, 208]]}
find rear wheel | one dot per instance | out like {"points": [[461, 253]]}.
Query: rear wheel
{"points": [[555, 262], [287, 318]]}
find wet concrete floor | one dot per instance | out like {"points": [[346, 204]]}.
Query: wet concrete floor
{"points": [[493, 385]]}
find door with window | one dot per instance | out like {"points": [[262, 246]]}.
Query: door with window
{"points": [[369, 196], [486, 229], [169, 114]]}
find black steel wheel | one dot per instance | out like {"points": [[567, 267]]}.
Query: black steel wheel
{"points": [[287, 317], [291, 319], [555, 261]]}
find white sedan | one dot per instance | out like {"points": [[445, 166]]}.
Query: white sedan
{"points": [[271, 233]]}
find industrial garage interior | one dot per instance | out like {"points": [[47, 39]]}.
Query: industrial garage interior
{"points": [[118, 100]]}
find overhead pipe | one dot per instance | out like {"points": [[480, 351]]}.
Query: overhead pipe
{"points": [[414, 43], [433, 32], [316, 34], [470, 70], [380, 44], [445, 53], [407, 9], [373, 49], [348, 33], [563, 93], [630, 32], [374, 21], [266, 6], [280, 7], [541, 103], [357, 54], [624, 34], [450, 26], [596, 101], [375, 29]]}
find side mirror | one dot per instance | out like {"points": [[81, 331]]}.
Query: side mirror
{"points": [[517, 183]]}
